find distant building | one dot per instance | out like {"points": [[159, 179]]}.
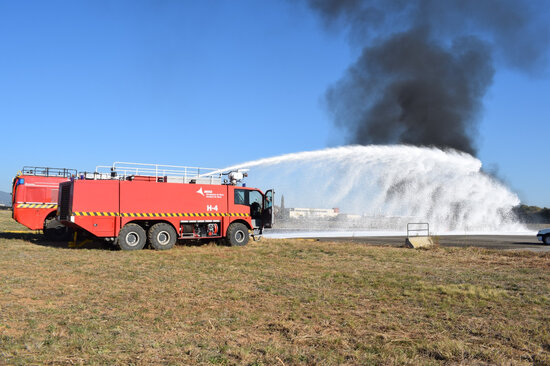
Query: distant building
{"points": [[295, 213], [349, 217]]}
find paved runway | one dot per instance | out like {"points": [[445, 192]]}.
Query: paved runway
{"points": [[517, 242]]}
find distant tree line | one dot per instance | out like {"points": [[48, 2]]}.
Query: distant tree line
{"points": [[532, 214]]}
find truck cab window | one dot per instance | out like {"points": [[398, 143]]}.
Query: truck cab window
{"points": [[240, 196], [247, 197], [250, 198], [255, 197], [268, 202]]}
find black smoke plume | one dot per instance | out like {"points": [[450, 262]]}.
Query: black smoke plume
{"points": [[427, 64]]}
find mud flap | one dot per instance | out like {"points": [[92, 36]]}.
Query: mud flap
{"points": [[256, 234]]}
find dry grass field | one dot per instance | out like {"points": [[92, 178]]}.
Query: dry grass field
{"points": [[273, 302]]}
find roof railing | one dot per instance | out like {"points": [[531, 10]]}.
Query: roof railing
{"points": [[162, 173], [48, 172]]}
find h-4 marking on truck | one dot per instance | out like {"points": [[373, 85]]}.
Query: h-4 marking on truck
{"points": [[211, 208]]}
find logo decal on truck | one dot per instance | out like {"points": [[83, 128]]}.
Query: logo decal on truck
{"points": [[209, 194]]}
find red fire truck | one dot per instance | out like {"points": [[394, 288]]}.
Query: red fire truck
{"points": [[34, 199], [135, 204]]}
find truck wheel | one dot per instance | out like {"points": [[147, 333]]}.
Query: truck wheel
{"points": [[56, 231], [131, 237], [162, 236], [546, 239], [237, 234]]}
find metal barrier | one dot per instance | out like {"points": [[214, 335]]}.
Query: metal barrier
{"points": [[422, 227]]}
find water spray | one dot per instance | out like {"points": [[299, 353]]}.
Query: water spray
{"points": [[389, 185]]}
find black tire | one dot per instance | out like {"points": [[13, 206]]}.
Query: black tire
{"points": [[546, 240], [131, 237], [162, 236], [237, 235], [56, 231]]}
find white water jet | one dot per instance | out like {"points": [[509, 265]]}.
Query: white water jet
{"points": [[445, 188]]}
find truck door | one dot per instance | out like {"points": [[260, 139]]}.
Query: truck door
{"points": [[267, 212], [16, 182]]}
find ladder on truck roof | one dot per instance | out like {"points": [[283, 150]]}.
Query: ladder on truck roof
{"points": [[162, 173]]}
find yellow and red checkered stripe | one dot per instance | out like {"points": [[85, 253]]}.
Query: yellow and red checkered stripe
{"points": [[163, 214], [36, 205]]}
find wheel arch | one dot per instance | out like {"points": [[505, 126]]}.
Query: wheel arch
{"points": [[244, 222], [146, 224], [50, 215]]}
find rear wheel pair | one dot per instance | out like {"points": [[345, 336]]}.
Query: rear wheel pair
{"points": [[162, 236], [133, 237]]}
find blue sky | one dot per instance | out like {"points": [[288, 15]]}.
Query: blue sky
{"points": [[208, 83]]}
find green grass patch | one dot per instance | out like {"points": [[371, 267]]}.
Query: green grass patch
{"points": [[271, 302]]}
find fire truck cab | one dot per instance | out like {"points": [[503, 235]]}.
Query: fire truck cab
{"points": [[34, 199], [135, 204]]}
